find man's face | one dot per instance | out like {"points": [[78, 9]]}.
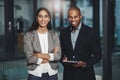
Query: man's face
{"points": [[74, 18]]}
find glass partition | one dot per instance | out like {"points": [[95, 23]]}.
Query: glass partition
{"points": [[23, 17], [2, 39], [116, 53], [15, 68]]}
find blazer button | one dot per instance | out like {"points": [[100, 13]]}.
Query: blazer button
{"points": [[73, 56]]}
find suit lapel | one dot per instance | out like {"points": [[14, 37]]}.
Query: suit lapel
{"points": [[36, 41], [49, 41], [80, 37], [69, 38]]}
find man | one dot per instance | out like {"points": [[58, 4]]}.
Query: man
{"points": [[79, 43]]}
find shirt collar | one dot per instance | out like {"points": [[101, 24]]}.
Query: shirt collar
{"points": [[78, 28]]}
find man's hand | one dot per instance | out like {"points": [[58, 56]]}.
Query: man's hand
{"points": [[65, 59], [80, 64]]}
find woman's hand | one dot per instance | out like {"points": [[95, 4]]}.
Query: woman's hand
{"points": [[36, 55], [44, 61], [55, 50], [40, 55]]}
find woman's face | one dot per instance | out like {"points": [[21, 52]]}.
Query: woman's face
{"points": [[43, 18]]}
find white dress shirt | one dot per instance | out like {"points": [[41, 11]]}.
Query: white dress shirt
{"points": [[74, 35]]}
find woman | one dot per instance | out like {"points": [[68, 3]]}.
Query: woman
{"points": [[42, 48]]}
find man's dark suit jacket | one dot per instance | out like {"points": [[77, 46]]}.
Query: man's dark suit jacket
{"points": [[87, 49]]}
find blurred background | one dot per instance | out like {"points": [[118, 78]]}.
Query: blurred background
{"points": [[16, 17]]}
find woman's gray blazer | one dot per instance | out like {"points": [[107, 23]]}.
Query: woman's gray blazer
{"points": [[32, 45]]}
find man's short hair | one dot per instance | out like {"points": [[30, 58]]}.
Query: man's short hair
{"points": [[74, 8]]}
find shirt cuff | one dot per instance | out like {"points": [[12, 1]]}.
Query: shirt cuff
{"points": [[39, 61], [51, 56]]}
